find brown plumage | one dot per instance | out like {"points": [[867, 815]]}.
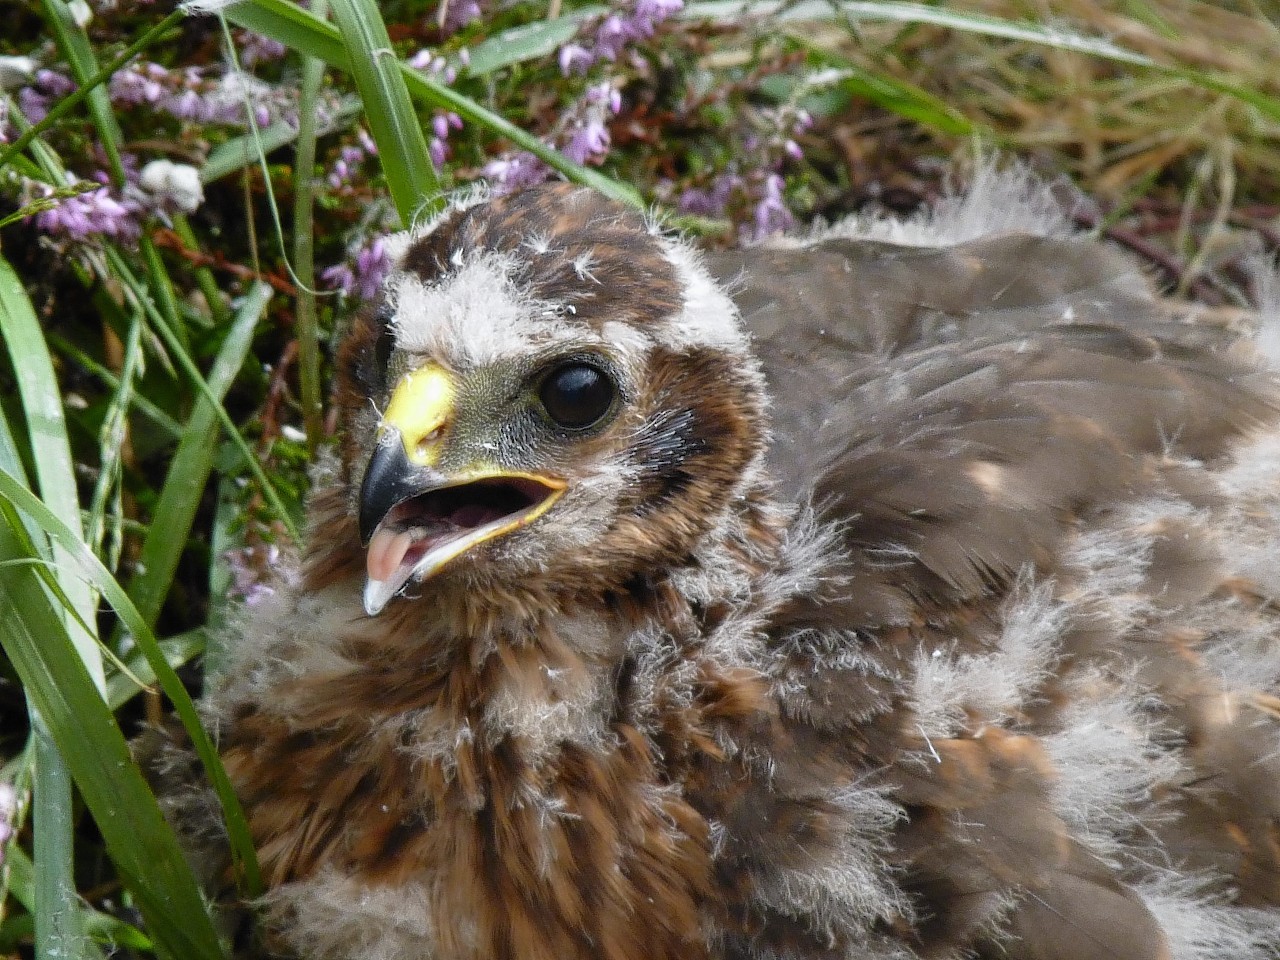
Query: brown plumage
{"points": [[922, 604]]}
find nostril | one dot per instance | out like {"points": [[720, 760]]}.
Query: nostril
{"points": [[428, 441]]}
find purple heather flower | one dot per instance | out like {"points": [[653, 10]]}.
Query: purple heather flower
{"points": [[459, 14], [89, 214], [713, 202], [255, 49], [36, 99], [772, 215], [372, 264], [442, 124], [612, 34], [189, 95], [54, 83], [515, 172], [338, 277], [590, 142], [350, 158], [430, 62], [139, 83], [575, 58], [33, 104]]}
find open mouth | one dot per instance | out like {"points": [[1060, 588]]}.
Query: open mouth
{"points": [[420, 535]]}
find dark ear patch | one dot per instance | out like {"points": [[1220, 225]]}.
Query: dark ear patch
{"points": [[704, 425]]}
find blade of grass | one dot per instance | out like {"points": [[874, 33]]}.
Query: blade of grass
{"points": [[177, 650], [34, 669], [47, 428], [58, 930], [897, 96], [402, 147], [58, 686], [529, 41], [304, 263], [111, 446], [75, 47], [189, 470]]}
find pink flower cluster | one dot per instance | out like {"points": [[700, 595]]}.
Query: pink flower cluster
{"points": [[458, 13], [610, 36], [445, 121], [194, 95], [93, 213], [35, 99], [350, 159], [364, 281], [754, 176], [582, 135]]}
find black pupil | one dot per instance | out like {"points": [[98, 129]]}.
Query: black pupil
{"points": [[576, 395]]}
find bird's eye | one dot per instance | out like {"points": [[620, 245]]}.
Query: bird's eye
{"points": [[577, 395]]}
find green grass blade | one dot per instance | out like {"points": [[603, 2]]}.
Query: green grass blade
{"points": [[57, 685], [304, 261], [74, 45], [295, 27], [177, 650], [58, 928], [46, 425], [192, 462], [402, 147], [904, 99], [91, 568]]}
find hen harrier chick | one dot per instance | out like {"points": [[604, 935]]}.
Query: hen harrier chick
{"points": [[909, 591]]}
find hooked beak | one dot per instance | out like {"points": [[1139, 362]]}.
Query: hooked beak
{"points": [[414, 519]]}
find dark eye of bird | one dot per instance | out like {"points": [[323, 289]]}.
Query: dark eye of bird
{"points": [[576, 395]]}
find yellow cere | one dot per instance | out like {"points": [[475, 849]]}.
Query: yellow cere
{"points": [[421, 407]]}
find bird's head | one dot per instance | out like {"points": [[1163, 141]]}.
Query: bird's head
{"points": [[551, 391]]}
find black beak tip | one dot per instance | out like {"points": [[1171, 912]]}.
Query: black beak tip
{"points": [[389, 479]]}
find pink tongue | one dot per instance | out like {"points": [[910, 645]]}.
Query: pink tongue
{"points": [[386, 551]]}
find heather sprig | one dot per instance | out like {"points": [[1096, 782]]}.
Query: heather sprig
{"points": [[609, 37]]}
